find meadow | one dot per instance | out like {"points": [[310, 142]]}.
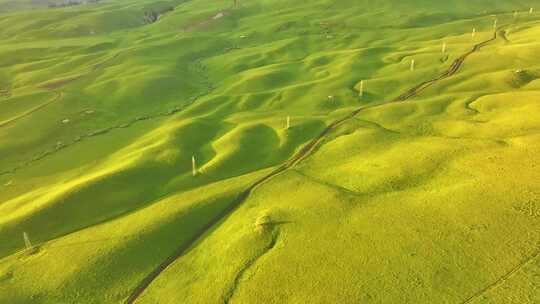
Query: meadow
{"points": [[314, 181]]}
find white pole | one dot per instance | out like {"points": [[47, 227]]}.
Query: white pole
{"points": [[193, 166], [473, 32], [27, 242], [288, 122], [444, 47], [361, 93], [495, 23], [412, 65], [531, 10]]}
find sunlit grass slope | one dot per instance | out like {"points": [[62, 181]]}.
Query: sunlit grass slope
{"points": [[431, 200]]}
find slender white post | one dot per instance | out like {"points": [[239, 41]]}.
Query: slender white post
{"points": [[288, 123], [412, 65], [495, 23], [27, 242], [361, 91], [444, 48], [473, 32], [531, 10], [193, 166]]}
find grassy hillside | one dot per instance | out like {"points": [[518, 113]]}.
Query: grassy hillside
{"points": [[434, 199]]}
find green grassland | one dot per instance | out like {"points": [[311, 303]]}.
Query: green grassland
{"points": [[431, 200]]}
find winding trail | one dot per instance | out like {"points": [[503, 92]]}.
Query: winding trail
{"points": [[306, 151]]}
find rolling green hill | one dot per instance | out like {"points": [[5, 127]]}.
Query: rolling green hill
{"points": [[345, 151]]}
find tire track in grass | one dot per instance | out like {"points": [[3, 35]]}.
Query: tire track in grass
{"points": [[304, 152], [504, 278], [52, 86], [57, 96]]}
